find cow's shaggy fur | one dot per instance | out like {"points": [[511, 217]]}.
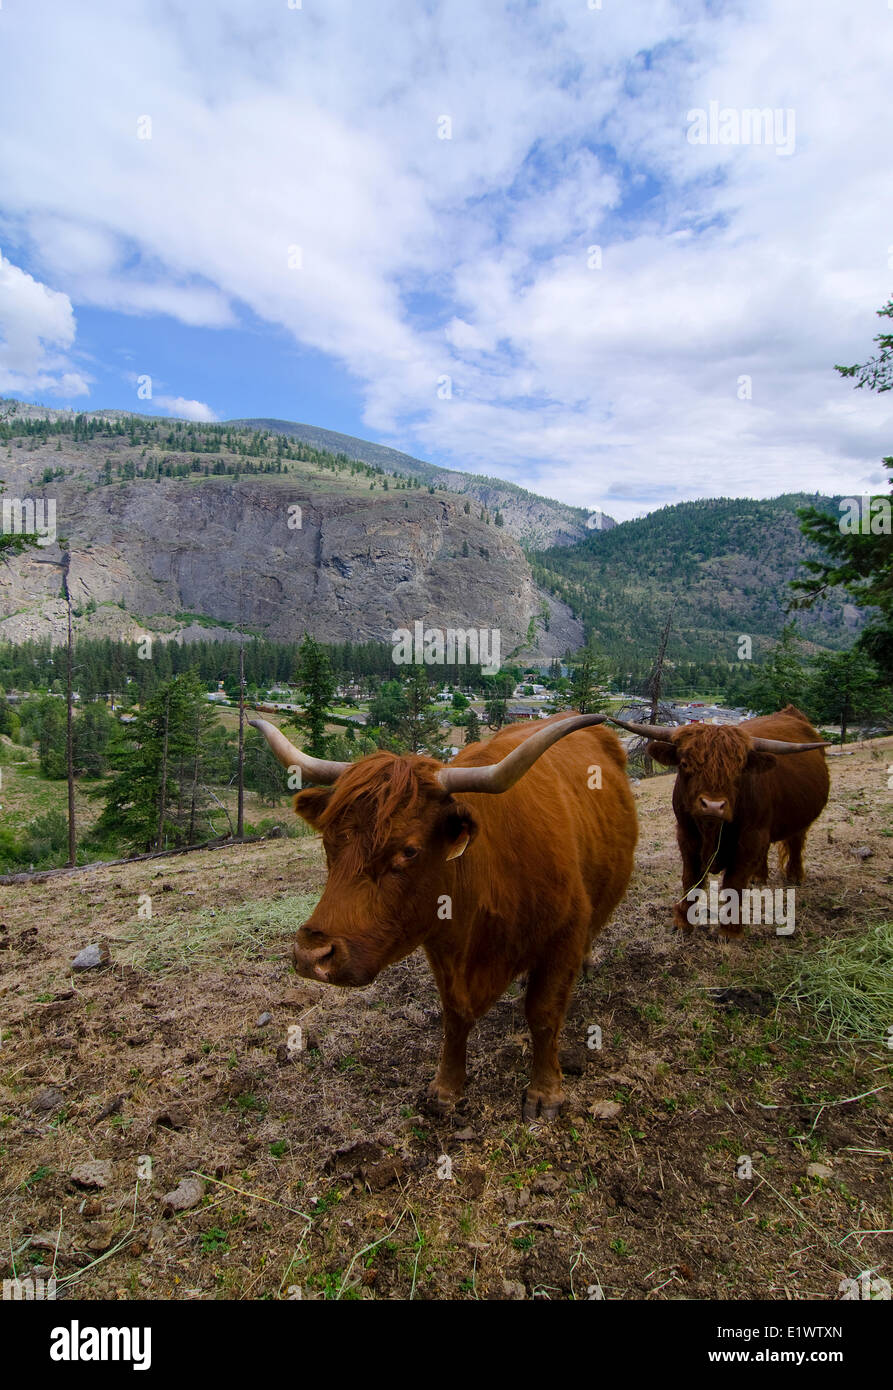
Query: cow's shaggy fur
{"points": [[536, 872], [768, 799]]}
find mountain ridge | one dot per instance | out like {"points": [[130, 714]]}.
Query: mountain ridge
{"points": [[166, 517], [527, 514], [169, 522]]}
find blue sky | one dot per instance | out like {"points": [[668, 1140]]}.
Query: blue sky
{"points": [[514, 256], [250, 368]]}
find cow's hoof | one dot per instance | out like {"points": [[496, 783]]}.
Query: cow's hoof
{"points": [[540, 1107], [439, 1100], [681, 922]]}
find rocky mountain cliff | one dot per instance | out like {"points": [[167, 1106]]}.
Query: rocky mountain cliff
{"points": [[188, 529], [173, 555], [536, 521]]}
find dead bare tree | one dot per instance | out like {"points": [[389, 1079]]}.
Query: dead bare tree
{"points": [[655, 680], [65, 564], [240, 815], [162, 795]]}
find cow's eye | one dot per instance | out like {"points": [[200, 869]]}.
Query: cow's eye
{"points": [[404, 855]]}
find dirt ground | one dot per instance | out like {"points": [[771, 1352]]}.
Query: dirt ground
{"points": [[321, 1175]]}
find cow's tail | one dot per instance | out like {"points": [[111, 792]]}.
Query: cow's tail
{"points": [[784, 857]]}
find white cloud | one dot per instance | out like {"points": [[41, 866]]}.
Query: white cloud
{"points": [[467, 257], [37, 327], [186, 410]]}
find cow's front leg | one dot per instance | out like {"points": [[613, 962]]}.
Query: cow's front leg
{"points": [[545, 1005], [761, 875], [449, 1081], [750, 863], [692, 873]]}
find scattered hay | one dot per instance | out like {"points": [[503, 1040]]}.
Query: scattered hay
{"points": [[164, 943], [848, 984]]}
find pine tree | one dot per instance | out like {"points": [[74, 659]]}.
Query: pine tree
{"points": [[781, 679], [846, 686], [262, 772], [584, 695], [317, 691], [51, 738], [862, 561], [159, 787], [419, 728], [92, 733], [472, 727]]}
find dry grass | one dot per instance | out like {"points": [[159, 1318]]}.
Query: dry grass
{"points": [[848, 985], [214, 935], [645, 1205]]}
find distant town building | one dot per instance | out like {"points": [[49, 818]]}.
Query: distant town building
{"points": [[693, 713], [514, 713]]}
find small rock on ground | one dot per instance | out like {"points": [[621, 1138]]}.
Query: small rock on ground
{"points": [[90, 957], [188, 1193], [97, 1172], [50, 1098], [605, 1109]]}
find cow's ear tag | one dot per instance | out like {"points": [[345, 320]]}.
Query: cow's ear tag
{"points": [[459, 847]]}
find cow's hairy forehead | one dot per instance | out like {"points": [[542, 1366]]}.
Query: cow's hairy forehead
{"points": [[381, 797], [714, 749]]}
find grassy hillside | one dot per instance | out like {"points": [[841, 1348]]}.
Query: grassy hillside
{"points": [[322, 1171], [527, 514], [169, 521], [725, 563]]}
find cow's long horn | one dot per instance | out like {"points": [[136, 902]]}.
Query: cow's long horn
{"points": [[319, 769], [498, 777], [775, 745], [661, 732]]}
